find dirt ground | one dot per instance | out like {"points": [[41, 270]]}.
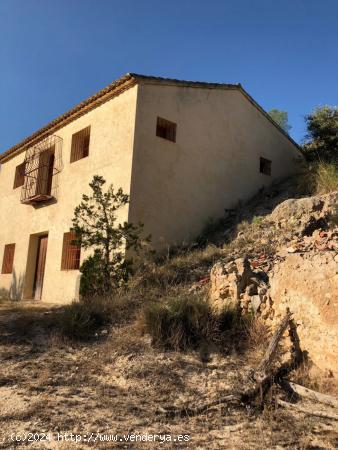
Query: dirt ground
{"points": [[51, 387]]}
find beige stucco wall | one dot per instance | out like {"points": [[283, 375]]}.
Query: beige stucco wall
{"points": [[110, 155], [177, 187]]}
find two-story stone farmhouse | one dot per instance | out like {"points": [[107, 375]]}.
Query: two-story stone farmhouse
{"points": [[183, 150]]}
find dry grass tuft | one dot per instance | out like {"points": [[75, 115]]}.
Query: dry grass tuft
{"points": [[177, 323], [326, 177], [318, 178], [57, 340], [310, 376], [258, 333], [81, 320]]}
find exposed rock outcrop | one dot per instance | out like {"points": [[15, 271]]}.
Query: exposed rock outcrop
{"points": [[302, 275], [308, 285], [305, 215], [235, 283]]}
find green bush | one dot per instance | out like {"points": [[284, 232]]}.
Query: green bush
{"points": [[81, 320], [321, 142], [92, 278], [97, 227], [93, 282], [179, 323]]}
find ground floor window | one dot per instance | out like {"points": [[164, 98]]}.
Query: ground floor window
{"points": [[7, 263], [71, 252]]}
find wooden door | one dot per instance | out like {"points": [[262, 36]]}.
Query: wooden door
{"points": [[40, 267]]}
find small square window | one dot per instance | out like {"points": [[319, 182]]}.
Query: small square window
{"points": [[80, 144], [19, 178], [166, 129], [265, 166]]}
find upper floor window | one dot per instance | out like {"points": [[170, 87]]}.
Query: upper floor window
{"points": [[80, 145], [43, 163], [19, 178], [44, 173], [265, 166], [166, 129], [71, 252], [7, 263]]}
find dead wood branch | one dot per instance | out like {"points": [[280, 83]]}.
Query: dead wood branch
{"points": [[302, 391], [172, 411], [261, 372], [310, 412]]}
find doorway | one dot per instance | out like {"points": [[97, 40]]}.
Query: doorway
{"points": [[40, 267]]}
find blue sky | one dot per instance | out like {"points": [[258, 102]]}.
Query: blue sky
{"points": [[55, 53]]}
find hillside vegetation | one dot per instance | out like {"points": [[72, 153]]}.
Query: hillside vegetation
{"points": [[113, 365], [221, 344]]}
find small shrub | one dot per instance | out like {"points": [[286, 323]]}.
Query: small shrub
{"points": [[81, 320], [93, 279], [188, 321], [256, 220], [229, 319], [179, 323]]}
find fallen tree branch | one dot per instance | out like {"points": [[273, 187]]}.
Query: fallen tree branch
{"points": [[311, 412], [310, 394], [172, 411], [261, 372]]}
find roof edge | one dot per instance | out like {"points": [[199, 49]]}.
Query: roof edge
{"points": [[115, 88], [147, 79], [267, 115]]}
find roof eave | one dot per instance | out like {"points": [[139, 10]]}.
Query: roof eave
{"points": [[253, 101], [116, 88], [105, 94]]}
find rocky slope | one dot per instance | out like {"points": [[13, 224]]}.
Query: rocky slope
{"points": [[299, 271]]}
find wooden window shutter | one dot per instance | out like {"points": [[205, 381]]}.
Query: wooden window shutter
{"points": [[70, 252], [166, 129], [19, 178], [80, 145], [7, 263]]}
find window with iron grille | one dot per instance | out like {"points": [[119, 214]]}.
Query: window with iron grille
{"points": [[80, 144], [7, 263], [166, 129], [265, 166], [19, 178], [71, 252]]}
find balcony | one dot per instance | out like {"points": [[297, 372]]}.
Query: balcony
{"points": [[43, 164]]}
